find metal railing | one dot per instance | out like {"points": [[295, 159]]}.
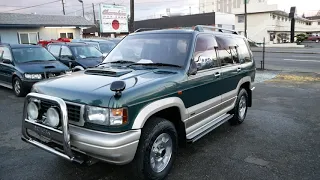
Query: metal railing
{"points": [[59, 135]]}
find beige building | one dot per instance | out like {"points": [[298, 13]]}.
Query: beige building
{"points": [[264, 20]]}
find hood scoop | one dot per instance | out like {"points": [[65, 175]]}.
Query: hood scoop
{"points": [[108, 72], [49, 67]]}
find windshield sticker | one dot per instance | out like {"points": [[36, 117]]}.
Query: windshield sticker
{"points": [[145, 61]]}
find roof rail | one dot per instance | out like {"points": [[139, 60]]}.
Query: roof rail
{"points": [[203, 28], [145, 29]]}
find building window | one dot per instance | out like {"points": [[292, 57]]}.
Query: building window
{"points": [[278, 17], [66, 35], [319, 23], [241, 19], [28, 38], [274, 16]]}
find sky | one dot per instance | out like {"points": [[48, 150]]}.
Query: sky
{"points": [[143, 8]]}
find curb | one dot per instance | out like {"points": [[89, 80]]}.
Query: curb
{"points": [[288, 52]]}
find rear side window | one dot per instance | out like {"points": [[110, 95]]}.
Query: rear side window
{"points": [[65, 51], [244, 54], [227, 51], [206, 49], [54, 49]]}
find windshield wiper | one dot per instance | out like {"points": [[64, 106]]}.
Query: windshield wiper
{"points": [[117, 62], [155, 64]]}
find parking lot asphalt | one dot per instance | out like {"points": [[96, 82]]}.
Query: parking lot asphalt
{"points": [[280, 139]]}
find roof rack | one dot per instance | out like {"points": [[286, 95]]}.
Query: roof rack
{"points": [[145, 29], [203, 28], [200, 28]]}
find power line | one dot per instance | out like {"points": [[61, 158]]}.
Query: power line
{"points": [[32, 6]]}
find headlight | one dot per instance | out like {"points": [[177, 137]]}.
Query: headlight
{"points": [[53, 118], [32, 110], [33, 76], [106, 116]]}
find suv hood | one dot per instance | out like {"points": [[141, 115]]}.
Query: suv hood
{"points": [[40, 67], [93, 85]]}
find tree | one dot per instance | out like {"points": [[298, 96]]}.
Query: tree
{"points": [[301, 38]]}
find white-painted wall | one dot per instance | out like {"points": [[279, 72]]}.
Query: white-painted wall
{"points": [[10, 35], [225, 20], [261, 24]]}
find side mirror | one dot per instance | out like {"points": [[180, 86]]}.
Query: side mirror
{"points": [[6, 61], [117, 87]]}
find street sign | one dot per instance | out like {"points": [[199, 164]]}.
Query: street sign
{"points": [[113, 18]]}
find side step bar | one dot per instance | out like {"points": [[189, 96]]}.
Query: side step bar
{"points": [[210, 126]]}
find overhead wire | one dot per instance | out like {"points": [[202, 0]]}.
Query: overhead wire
{"points": [[32, 6]]}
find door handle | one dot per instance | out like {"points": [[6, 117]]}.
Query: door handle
{"points": [[217, 74], [238, 69]]}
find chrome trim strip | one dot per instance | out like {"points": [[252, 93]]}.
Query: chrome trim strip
{"points": [[253, 88], [43, 126], [47, 148]]}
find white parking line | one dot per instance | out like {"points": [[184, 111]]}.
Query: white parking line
{"points": [[301, 60]]}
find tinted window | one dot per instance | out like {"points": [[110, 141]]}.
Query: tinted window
{"points": [[227, 50], [244, 54], [86, 51], [65, 51], [54, 49], [153, 48], [205, 48], [6, 53], [22, 55], [107, 47]]}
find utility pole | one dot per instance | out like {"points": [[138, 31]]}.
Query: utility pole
{"points": [[81, 1], [64, 12], [131, 16], [245, 18], [94, 15]]}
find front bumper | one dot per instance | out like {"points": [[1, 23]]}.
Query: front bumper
{"points": [[70, 141], [27, 84]]}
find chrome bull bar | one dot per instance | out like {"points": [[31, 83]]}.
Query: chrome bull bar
{"points": [[64, 134]]}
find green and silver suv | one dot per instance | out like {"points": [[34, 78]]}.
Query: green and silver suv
{"points": [[155, 91]]}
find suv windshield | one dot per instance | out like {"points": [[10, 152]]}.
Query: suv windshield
{"points": [[83, 52], [106, 47], [22, 55], [153, 48]]}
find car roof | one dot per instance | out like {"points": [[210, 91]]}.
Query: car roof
{"points": [[185, 31], [167, 31], [20, 45], [69, 44]]}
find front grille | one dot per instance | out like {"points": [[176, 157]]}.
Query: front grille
{"points": [[73, 110]]}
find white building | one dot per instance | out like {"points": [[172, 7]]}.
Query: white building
{"points": [[264, 20]]}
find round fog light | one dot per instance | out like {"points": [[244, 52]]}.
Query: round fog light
{"points": [[53, 119], [32, 110]]}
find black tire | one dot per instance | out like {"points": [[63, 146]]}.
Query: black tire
{"points": [[239, 117], [18, 88], [141, 165]]}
